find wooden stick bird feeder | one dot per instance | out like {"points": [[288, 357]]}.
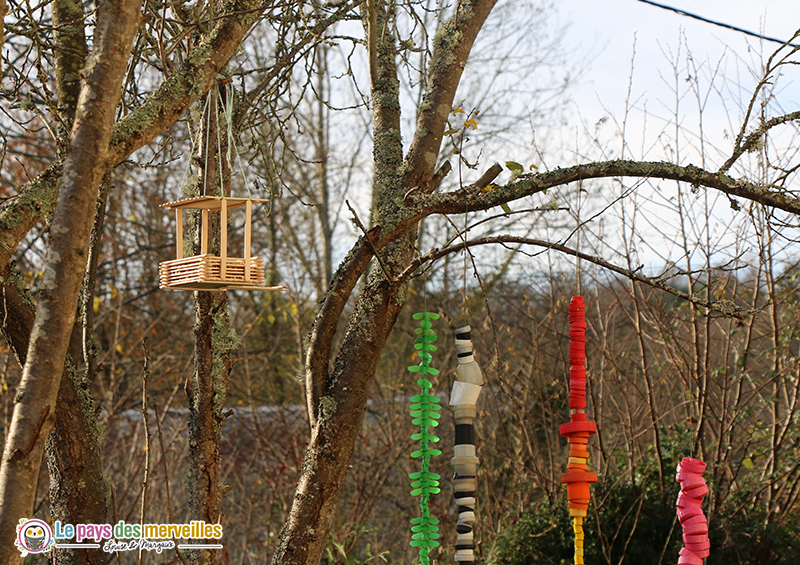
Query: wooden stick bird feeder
{"points": [[210, 272]]}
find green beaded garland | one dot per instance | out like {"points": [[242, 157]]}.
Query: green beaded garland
{"points": [[425, 413]]}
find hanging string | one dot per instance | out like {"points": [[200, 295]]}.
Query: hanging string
{"points": [[464, 399], [578, 238], [195, 143], [464, 268], [207, 118], [227, 110], [228, 113], [219, 141]]}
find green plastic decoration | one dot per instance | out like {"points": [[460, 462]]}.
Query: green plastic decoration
{"points": [[425, 413]]}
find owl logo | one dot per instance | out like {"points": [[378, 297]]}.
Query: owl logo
{"points": [[33, 536]]}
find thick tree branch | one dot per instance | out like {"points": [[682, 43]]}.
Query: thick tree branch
{"points": [[387, 149], [323, 329], [70, 56], [451, 47], [472, 199]]}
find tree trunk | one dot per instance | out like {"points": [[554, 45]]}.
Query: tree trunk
{"points": [[77, 490], [34, 409], [214, 342]]}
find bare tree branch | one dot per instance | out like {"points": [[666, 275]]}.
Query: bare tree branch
{"points": [[722, 306], [472, 199], [751, 141]]}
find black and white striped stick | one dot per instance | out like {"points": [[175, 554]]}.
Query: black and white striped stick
{"points": [[463, 399]]}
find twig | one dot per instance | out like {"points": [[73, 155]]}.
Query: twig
{"points": [[438, 177], [369, 242], [145, 477], [487, 177], [166, 479], [725, 307]]}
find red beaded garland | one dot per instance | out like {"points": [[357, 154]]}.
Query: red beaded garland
{"points": [[579, 428]]}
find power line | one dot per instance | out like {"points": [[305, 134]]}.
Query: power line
{"points": [[712, 22]]}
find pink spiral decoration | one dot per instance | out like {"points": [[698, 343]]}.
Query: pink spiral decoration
{"points": [[690, 512]]}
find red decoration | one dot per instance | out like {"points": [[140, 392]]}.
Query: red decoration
{"points": [[577, 431], [690, 512]]}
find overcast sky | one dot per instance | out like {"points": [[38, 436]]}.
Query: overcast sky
{"points": [[605, 30], [608, 29]]}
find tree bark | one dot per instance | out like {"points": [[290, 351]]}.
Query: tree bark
{"points": [[3, 12], [34, 409], [70, 56], [77, 492]]}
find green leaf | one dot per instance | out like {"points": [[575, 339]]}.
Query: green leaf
{"points": [[515, 167], [505, 208]]}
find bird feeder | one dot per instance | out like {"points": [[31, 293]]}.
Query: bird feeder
{"points": [[206, 271]]}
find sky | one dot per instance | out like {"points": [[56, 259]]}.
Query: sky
{"points": [[607, 29], [606, 32]]}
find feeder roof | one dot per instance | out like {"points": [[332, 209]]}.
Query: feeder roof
{"points": [[211, 202]]}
